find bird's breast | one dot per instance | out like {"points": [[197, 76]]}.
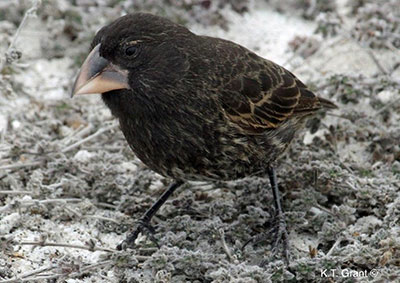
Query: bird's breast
{"points": [[193, 141]]}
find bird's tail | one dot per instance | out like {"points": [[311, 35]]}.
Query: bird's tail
{"points": [[325, 103], [309, 103]]}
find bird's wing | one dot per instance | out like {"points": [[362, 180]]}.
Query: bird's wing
{"points": [[262, 99]]}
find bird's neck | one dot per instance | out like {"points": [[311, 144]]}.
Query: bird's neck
{"points": [[128, 104]]}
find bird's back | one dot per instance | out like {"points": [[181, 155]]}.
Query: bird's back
{"points": [[256, 94]]}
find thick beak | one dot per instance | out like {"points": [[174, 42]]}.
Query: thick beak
{"points": [[97, 75]]}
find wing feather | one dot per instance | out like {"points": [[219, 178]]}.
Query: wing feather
{"points": [[261, 99]]}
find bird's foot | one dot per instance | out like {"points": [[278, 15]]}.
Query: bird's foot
{"points": [[281, 241], [280, 237], [141, 227]]}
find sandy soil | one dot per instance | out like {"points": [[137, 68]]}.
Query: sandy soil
{"points": [[70, 188]]}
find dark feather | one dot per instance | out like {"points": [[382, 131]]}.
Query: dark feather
{"points": [[202, 107], [270, 97]]}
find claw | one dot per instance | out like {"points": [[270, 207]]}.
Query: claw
{"points": [[142, 225], [280, 242], [281, 239], [144, 222]]}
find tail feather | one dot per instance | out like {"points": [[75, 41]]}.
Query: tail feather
{"points": [[310, 103], [325, 103]]}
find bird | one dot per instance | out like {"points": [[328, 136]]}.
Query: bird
{"points": [[194, 107]]}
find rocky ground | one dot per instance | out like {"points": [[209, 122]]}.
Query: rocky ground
{"points": [[70, 188]]}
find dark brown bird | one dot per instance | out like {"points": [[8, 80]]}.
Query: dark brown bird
{"points": [[195, 107]]}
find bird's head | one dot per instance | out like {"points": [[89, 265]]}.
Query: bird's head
{"points": [[136, 49]]}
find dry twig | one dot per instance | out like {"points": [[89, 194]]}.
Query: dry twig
{"points": [[99, 132], [12, 53], [88, 247]]}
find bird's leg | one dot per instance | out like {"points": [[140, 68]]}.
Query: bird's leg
{"points": [[279, 224], [282, 234], [144, 222]]}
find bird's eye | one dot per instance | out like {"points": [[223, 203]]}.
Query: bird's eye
{"points": [[131, 50]]}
